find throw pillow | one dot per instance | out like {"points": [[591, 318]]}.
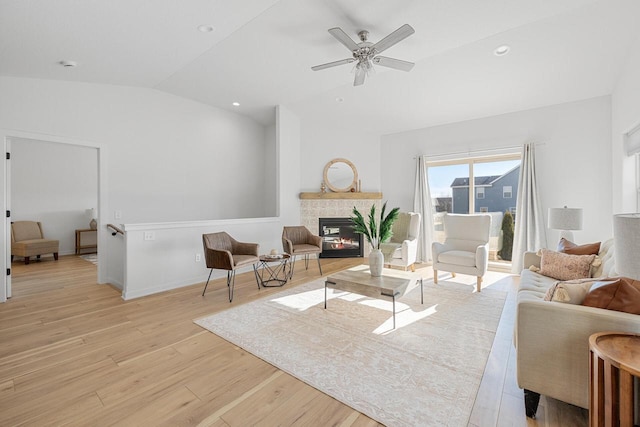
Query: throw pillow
{"points": [[571, 291], [564, 266], [621, 295], [568, 247]]}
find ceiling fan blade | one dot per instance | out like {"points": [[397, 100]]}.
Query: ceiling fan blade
{"points": [[332, 64], [398, 35], [397, 64], [343, 38], [360, 75]]}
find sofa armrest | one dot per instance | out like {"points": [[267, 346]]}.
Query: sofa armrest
{"points": [[529, 259], [552, 341], [438, 248]]}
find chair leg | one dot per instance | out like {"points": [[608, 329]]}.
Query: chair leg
{"points": [[11, 258], [231, 281], [38, 257], [413, 268], [435, 276], [26, 260], [306, 262], [55, 256], [479, 283], [293, 266], [319, 266], [453, 274], [207, 284], [255, 271]]}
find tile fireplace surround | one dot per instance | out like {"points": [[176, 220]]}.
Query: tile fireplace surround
{"points": [[335, 205]]}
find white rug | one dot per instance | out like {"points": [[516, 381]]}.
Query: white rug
{"points": [[92, 258], [425, 372]]}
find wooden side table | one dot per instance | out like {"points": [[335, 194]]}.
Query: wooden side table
{"points": [[614, 359], [86, 239]]}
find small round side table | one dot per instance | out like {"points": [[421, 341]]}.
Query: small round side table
{"points": [[614, 359]]}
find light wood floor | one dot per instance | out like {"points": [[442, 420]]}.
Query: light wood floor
{"points": [[73, 352]]}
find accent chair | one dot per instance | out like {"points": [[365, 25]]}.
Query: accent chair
{"points": [[466, 246], [28, 240], [299, 241], [223, 252], [402, 249]]}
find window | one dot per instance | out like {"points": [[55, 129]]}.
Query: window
{"points": [[513, 210], [480, 193], [506, 192], [484, 209]]}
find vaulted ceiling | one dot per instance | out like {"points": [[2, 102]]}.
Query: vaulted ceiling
{"points": [[260, 53]]}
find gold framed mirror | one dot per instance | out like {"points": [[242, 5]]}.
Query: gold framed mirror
{"points": [[340, 175]]}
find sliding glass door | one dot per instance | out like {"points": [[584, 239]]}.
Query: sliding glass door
{"points": [[478, 185]]}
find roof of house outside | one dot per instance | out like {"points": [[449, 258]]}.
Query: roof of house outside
{"points": [[480, 181]]}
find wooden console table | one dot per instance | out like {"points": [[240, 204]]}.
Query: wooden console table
{"points": [[86, 239], [614, 359]]}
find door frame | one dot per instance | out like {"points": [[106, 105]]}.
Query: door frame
{"points": [[6, 135]]}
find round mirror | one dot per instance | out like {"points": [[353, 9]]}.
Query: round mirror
{"points": [[340, 175]]}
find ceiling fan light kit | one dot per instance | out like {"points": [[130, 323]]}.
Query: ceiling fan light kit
{"points": [[365, 53]]}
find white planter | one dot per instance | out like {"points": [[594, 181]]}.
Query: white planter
{"points": [[376, 262]]}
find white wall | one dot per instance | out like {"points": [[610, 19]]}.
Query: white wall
{"points": [[573, 165], [321, 143], [170, 158], [54, 184], [625, 116]]}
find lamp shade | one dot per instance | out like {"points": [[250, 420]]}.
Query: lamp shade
{"points": [[626, 238], [565, 218]]}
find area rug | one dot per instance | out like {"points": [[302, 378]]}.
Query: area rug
{"points": [[425, 372], [92, 258]]}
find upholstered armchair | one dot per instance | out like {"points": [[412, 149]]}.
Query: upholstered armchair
{"points": [[402, 249], [28, 240], [223, 252], [298, 240], [466, 246]]}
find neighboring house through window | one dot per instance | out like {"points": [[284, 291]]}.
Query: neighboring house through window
{"points": [[484, 209]]}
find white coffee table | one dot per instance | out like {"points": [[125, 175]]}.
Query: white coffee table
{"points": [[392, 284]]}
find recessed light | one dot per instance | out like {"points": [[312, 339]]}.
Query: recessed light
{"points": [[339, 99], [235, 104], [501, 50], [68, 64], [206, 28]]}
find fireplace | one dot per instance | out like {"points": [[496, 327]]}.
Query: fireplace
{"points": [[338, 238]]}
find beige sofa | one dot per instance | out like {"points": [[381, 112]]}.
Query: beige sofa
{"points": [[552, 338]]}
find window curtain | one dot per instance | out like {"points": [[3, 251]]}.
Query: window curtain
{"points": [[422, 204], [529, 233]]}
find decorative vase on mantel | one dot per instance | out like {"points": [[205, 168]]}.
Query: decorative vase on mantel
{"points": [[376, 230], [376, 262]]}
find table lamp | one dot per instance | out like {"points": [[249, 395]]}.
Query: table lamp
{"points": [[565, 219], [626, 242]]}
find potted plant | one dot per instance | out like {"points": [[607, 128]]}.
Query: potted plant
{"points": [[376, 230]]}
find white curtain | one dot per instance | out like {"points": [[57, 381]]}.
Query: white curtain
{"points": [[422, 204], [530, 232]]}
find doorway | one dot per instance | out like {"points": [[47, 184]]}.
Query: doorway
{"points": [[57, 181]]}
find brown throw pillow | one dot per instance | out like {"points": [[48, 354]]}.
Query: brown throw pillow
{"points": [[568, 247], [564, 266], [621, 295]]}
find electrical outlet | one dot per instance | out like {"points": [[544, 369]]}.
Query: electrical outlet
{"points": [[149, 235], [197, 257]]}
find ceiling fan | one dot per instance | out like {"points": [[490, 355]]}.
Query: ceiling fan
{"points": [[365, 54]]}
